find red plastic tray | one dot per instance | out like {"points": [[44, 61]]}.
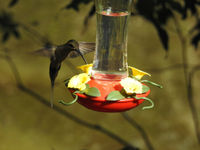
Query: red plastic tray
{"points": [[101, 104]]}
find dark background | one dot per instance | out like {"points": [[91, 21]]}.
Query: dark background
{"points": [[163, 40]]}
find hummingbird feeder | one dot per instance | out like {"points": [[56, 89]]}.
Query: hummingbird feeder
{"points": [[106, 85]]}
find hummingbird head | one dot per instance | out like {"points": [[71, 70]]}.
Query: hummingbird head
{"points": [[73, 44]]}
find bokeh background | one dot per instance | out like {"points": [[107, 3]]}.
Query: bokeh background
{"points": [[26, 123]]}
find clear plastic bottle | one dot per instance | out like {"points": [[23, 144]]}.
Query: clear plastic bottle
{"points": [[110, 60]]}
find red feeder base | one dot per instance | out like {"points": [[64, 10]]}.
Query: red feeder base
{"points": [[101, 104]]}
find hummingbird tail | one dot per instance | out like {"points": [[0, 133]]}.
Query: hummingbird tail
{"points": [[52, 96]]}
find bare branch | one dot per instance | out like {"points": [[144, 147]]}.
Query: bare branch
{"points": [[140, 129], [187, 75], [74, 118], [183, 47], [13, 67], [191, 101]]}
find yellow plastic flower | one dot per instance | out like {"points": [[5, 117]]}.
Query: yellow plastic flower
{"points": [[86, 68], [138, 73], [79, 81], [131, 86]]}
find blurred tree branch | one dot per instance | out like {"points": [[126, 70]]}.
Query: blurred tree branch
{"points": [[158, 12], [183, 42], [191, 100], [140, 129], [189, 86]]}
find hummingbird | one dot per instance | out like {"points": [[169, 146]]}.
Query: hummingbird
{"points": [[58, 54]]}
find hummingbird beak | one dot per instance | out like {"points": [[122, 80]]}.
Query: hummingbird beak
{"points": [[81, 56]]}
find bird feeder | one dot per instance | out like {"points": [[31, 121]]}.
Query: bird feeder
{"points": [[110, 61]]}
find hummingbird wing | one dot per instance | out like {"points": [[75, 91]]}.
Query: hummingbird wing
{"points": [[46, 51], [84, 47]]}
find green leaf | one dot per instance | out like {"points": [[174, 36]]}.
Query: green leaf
{"points": [[87, 86], [145, 88], [148, 99], [114, 96], [152, 83], [72, 102], [86, 89], [93, 91]]}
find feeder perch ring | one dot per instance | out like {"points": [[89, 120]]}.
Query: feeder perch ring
{"points": [[101, 104]]}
